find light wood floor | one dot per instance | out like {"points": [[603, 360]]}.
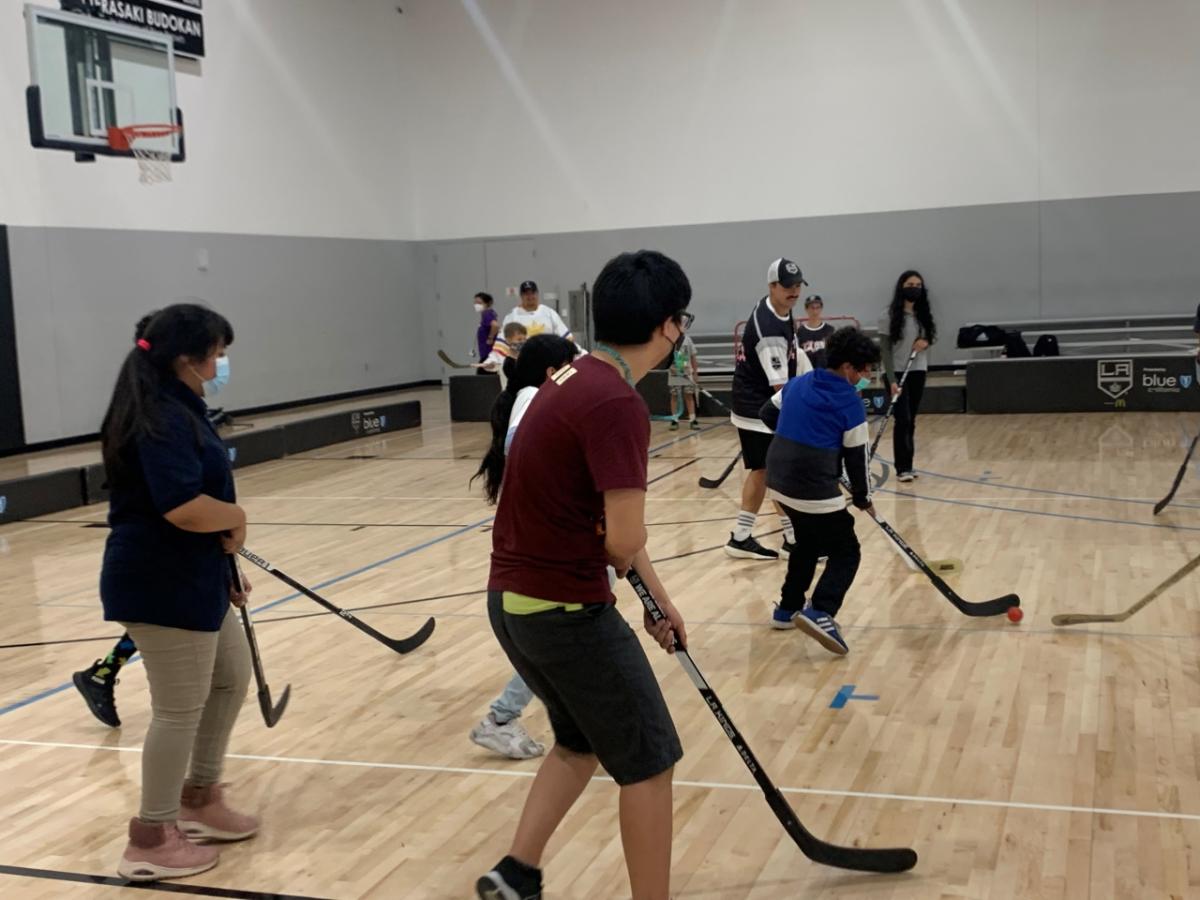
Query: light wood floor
{"points": [[1020, 761]]}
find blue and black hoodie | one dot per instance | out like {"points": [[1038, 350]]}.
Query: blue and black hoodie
{"points": [[819, 427]]}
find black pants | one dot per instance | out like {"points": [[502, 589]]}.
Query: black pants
{"points": [[817, 535], [904, 420]]}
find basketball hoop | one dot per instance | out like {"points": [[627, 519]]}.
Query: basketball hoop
{"points": [[154, 164]]}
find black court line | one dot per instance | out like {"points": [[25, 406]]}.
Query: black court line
{"points": [[61, 641], [664, 559], [161, 886], [373, 606], [672, 472], [373, 458], [86, 523]]}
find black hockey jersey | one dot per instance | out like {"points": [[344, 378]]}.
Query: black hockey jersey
{"points": [[770, 355]]}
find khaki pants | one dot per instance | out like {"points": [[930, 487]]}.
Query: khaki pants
{"points": [[198, 681]]}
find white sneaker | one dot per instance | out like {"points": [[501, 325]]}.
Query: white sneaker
{"points": [[905, 477], [510, 739]]}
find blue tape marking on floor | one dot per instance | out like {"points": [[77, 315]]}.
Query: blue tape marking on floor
{"points": [[382, 562], [846, 693]]}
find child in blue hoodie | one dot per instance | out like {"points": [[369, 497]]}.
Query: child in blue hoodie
{"points": [[820, 429]]}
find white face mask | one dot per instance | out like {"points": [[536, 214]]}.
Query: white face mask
{"points": [[478, 307]]}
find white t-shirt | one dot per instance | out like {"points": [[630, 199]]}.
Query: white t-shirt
{"points": [[542, 320], [524, 397]]}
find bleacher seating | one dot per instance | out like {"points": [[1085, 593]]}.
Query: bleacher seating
{"points": [[1101, 334]]}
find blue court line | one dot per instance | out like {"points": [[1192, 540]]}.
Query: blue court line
{"points": [[50, 692]]}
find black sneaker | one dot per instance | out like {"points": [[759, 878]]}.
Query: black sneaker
{"points": [[785, 552], [748, 549], [98, 694], [510, 880], [695, 426]]}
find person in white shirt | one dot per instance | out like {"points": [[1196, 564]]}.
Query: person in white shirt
{"points": [[501, 730], [536, 318]]}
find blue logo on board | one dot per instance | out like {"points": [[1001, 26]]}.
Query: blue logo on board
{"points": [[3, 504], [233, 454], [1185, 381], [878, 401]]}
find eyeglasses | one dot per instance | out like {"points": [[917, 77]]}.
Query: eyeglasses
{"points": [[685, 320]]}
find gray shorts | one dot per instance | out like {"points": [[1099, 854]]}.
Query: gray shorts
{"points": [[590, 671]]}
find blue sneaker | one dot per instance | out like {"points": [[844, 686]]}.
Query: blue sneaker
{"points": [[783, 618], [823, 629]]}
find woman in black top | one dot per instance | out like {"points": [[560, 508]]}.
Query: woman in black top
{"points": [[907, 329], [166, 579]]}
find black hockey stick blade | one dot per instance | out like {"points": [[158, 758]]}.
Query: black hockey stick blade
{"points": [[861, 859], [271, 712], [720, 479], [1162, 504], [400, 645], [997, 607], [451, 363]]}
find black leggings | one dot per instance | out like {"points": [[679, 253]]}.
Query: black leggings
{"points": [[904, 424]]}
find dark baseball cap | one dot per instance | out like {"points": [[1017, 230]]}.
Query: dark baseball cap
{"points": [[786, 272], [529, 287], [813, 298]]}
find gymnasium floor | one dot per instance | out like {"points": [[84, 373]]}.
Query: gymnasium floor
{"points": [[1020, 761]]}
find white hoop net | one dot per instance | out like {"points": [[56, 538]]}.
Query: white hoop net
{"points": [[154, 165]]}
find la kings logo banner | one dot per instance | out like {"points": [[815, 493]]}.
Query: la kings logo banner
{"points": [[1114, 377]]}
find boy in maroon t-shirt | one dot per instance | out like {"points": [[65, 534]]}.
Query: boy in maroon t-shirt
{"points": [[573, 502]]}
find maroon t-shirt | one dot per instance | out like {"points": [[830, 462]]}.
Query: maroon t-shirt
{"points": [[586, 432]]}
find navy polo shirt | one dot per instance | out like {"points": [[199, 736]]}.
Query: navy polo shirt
{"points": [[154, 572]]}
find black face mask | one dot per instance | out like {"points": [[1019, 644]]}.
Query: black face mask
{"points": [[912, 293]]}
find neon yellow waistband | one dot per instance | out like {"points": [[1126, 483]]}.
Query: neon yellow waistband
{"points": [[521, 605]]}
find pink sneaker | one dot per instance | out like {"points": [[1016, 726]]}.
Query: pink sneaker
{"points": [[160, 850], [204, 815]]}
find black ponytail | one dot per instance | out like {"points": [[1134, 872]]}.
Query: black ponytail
{"points": [[539, 353], [160, 338]]}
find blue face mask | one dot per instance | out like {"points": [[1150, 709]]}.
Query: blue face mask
{"points": [[219, 380], [862, 384]]}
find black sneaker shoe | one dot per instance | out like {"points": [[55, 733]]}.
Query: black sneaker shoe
{"points": [[510, 880], [695, 426], [98, 694], [748, 549], [785, 552]]}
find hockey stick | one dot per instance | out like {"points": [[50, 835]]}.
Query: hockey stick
{"points": [[271, 713], [401, 645], [451, 363], [1086, 618], [899, 859], [997, 607], [891, 406], [1162, 504], [720, 479]]}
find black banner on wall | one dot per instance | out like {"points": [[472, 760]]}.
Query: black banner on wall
{"points": [[185, 26], [1083, 384], [12, 426]]}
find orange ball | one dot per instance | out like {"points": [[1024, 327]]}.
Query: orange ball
{"points": [[1015, 614]]}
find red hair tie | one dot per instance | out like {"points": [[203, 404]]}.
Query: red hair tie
{"points": [[143, 344]]}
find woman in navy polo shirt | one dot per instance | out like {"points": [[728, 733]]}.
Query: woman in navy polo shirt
{"points": [[166, 579]]}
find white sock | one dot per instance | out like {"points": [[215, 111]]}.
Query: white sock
{"points": [[789, 533], [745, 524]]}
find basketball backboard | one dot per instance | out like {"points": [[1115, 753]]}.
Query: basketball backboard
{"points": [[88, 76]]}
